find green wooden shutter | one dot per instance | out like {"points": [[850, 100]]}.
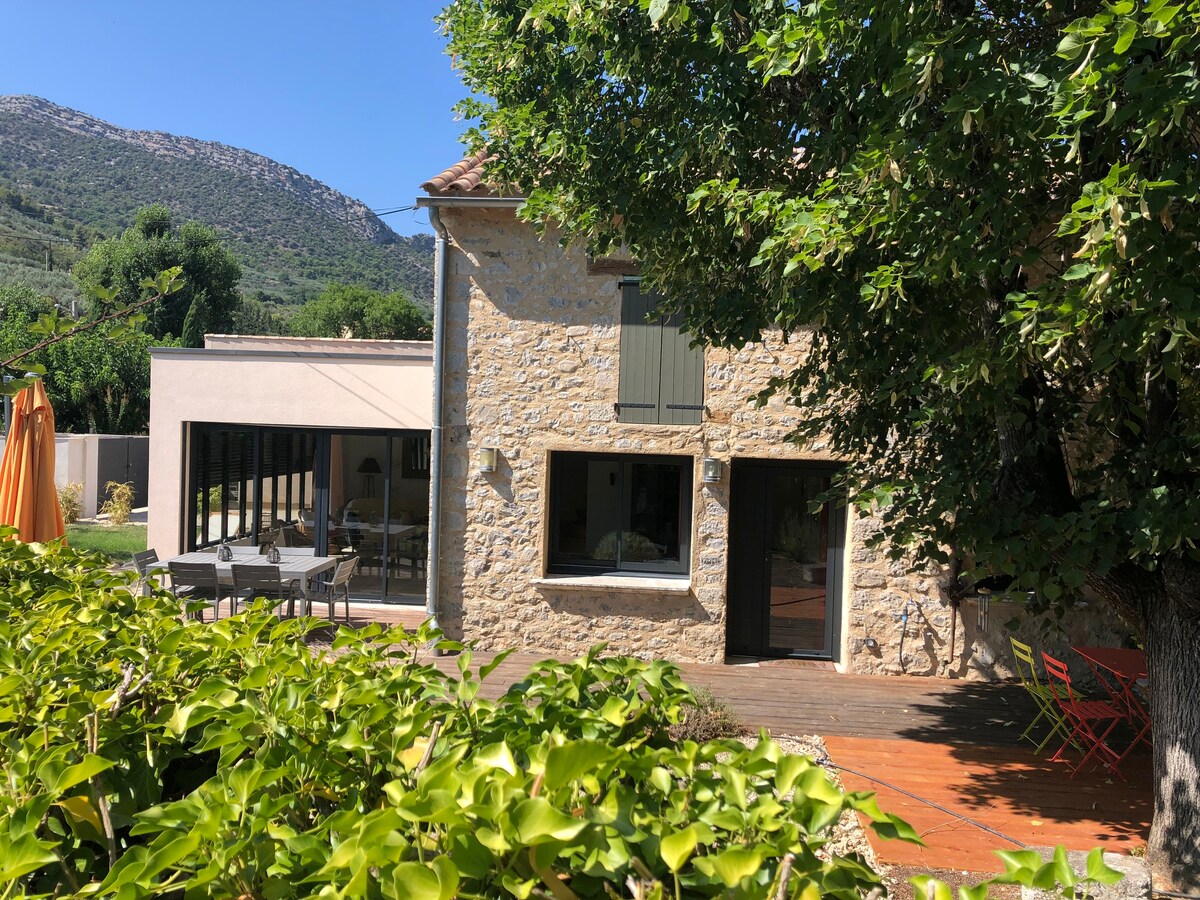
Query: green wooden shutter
{"points": [[681, 382], [662, 378], [641, 358]]}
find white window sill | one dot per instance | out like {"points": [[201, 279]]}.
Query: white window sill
{"points": [[656, 584]]}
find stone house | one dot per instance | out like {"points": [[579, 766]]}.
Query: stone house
{"points": [[599, 480]]}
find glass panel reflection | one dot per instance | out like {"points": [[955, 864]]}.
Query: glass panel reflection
{"points": [[798, 560]]}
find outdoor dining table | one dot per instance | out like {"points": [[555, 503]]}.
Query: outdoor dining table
{"points": [[1120, 670], [291, 568]]}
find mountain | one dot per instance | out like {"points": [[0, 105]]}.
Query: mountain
{"points": [[67, 178]]}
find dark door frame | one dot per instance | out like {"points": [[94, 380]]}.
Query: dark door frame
{"points": [[748, 564]]}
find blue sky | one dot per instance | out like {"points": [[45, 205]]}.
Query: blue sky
{"points": [[355, 94]]}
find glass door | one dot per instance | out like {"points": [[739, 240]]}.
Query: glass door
{"points": [[785, 560], [285, 488], [343, 493], [379, 511], [798, 565]]}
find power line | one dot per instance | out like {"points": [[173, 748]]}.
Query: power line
{"points": [[374, 214], [32, 237]]}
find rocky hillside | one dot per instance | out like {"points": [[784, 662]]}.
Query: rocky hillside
{"points": [[292, 233]]}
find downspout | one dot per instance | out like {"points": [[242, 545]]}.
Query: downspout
{"points": [[433, 565]]}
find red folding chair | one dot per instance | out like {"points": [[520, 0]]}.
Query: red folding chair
{"points": [[1085, 718]]}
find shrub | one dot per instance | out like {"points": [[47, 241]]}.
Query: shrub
{"points": [[119, 504], [70, 502], [230, 760], [706, 718], [146, 753], [635, 547]]}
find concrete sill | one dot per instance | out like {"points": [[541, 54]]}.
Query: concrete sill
{"points": [[646, 584]]}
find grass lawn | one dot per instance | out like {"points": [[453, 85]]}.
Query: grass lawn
{"points": [[119, 542]]}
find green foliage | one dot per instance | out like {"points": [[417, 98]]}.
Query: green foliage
{"points": [[147, 753], [982, 223], [210, 273], [70, 501], [24, 206], [289, 245], [96, 383], [57, 284], [259, 315], [193, 324], [359, 312], [119, 504]]}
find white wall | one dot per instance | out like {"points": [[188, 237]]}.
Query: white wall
{"points": [[295, 382], [76, 458]]}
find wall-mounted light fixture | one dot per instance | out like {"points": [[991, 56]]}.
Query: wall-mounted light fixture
{"points": [[487, 459], [710, 470]]}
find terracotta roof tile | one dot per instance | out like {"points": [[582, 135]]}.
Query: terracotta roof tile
{"points": [[464, 177]]}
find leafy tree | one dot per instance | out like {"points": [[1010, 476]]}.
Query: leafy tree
{"points": [[257, 315], [95, 383], [152, 244], [983, 223], [343, 310]]}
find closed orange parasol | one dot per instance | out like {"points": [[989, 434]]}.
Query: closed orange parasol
{"points": [[28, 496]]}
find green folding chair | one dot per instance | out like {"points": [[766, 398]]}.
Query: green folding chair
{"points": [[1042, 695]]}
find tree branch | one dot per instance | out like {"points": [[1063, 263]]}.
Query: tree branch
{"points": [[79, 329]]}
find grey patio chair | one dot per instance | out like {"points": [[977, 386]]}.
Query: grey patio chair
{"points": [[253, 581], [145, 563], [195, 583], [336, 587], [297, 551]]}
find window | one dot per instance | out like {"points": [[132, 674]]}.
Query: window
{"points": [[620, 513], [662, 378]]}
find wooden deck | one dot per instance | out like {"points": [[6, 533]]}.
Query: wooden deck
{"points": [[1009, 789], [793, 700], [950, 742]]}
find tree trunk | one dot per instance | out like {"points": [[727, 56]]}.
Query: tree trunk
{"points": [[1173, 657]]}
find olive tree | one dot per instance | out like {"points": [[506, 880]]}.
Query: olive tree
{"points": [[354, 311]]}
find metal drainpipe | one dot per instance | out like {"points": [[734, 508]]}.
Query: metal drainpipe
{"points": [[433, 570]]}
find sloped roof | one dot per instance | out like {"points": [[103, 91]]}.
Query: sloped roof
{"points": [[464, 178]]}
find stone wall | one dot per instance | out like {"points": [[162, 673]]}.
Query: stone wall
{"points": [[532, 368]]}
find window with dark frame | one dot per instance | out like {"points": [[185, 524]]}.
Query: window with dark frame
{"points": [[661, 378], [620, 513]]}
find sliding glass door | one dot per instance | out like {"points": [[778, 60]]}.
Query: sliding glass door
{"points": [[379, 511], [358, 493]]}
